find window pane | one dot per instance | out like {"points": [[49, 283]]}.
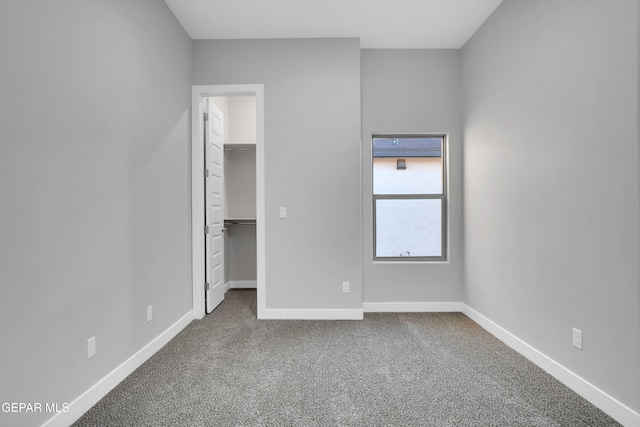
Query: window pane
{"points": [[408, 227], [423, 175]]}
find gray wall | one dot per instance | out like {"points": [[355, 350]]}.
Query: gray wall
{"points": [[94, 183], [240, 183], [412, 91], [240, 202], [551, 100], [240, 253], [312, 149]]}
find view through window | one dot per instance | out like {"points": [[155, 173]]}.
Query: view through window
{"points": [[409, 197]]}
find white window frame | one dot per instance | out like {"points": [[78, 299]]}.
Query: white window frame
{"points": [[443, 197]]}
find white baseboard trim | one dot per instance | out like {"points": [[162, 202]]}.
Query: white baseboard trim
{"points": [[312, 314], [617, 410], [243, 284], [90, 397], [411, 307]]}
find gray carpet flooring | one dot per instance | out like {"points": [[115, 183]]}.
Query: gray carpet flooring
{"points": [[391, 369]]}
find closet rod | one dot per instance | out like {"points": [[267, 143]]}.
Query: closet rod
{"points": [[239, 222]]}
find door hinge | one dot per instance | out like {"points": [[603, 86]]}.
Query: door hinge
{"points": [[206, 173], [206, 229], [205, 117], [206, 286]]}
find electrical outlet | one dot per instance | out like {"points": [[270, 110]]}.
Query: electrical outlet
{"points": [[577, 338], [346, 287], [149, 313], [91, 347]]}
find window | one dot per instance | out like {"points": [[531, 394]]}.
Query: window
{"points": [[409, 198]]}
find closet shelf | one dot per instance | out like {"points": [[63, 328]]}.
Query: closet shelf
{"points": [[240, 147], [240, 221]]}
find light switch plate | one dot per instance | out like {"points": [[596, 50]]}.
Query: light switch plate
{"points": [[283, 212]]}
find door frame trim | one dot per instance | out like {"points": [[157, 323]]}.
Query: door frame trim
{"points": [[198, 93]]}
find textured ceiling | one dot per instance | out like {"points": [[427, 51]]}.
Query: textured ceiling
{"points": [[434, 24]]}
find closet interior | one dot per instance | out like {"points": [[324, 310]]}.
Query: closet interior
{"points": [[240, 263]]}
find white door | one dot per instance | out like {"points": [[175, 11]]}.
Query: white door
{"points": [[214, 220]]}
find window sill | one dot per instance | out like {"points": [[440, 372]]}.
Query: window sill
{"points": [[393, 261]]}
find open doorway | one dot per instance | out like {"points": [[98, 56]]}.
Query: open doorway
{"points": [[253, 95], [239, 142]]}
